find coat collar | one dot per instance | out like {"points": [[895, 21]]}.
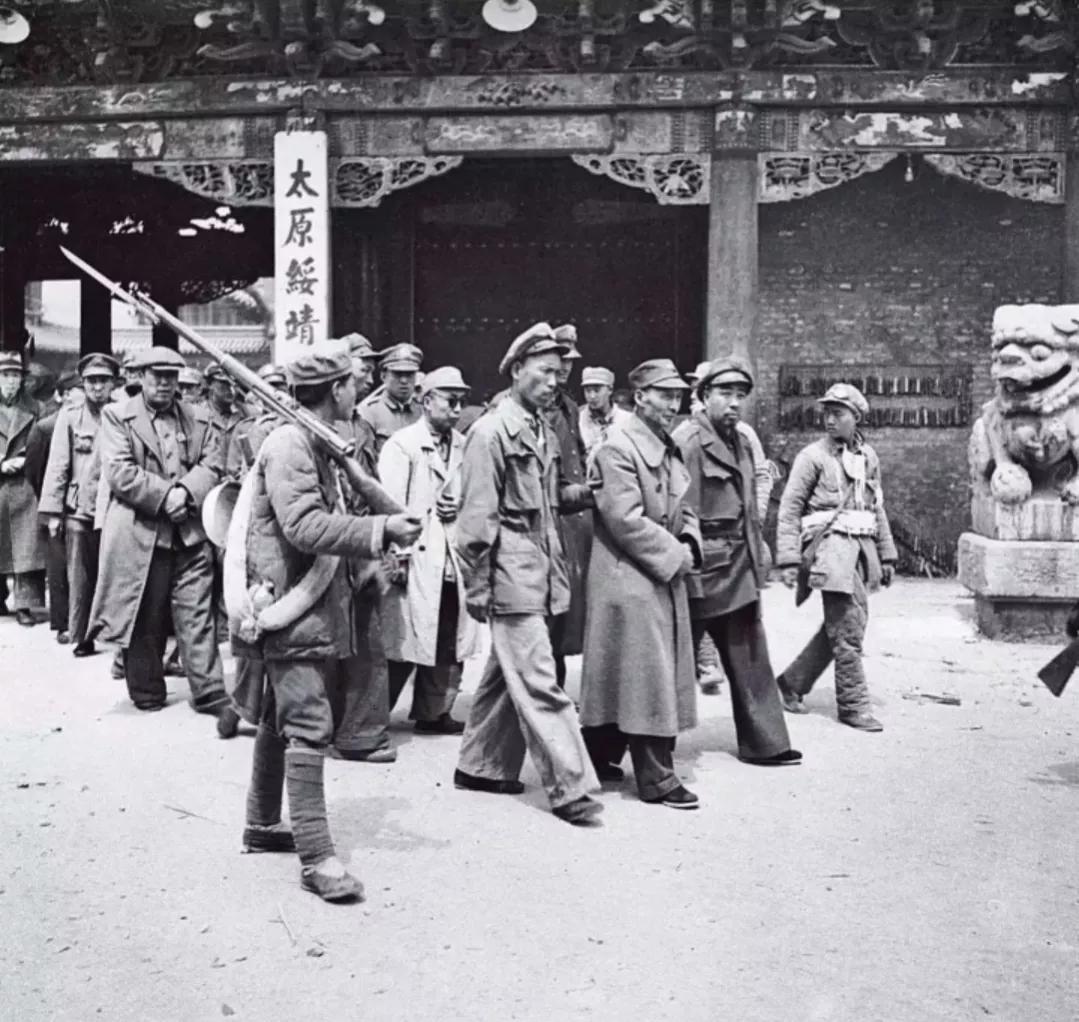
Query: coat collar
{"points": [[23, 412], [188, 417], [714, 446], [517, 423], [652, 448]]}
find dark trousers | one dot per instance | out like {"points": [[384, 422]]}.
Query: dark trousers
{"points": [[359, 697], [56, 574], [743, 651], [82, 544], [556, 626], [27, 589], [840, 638], [435, 688], [652, 756], [180, 581]]}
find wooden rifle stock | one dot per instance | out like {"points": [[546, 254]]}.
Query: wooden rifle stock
{"points": [[341, 450], [1057, 673]]}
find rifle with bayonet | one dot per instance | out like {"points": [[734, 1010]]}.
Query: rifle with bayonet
{"points": [[1057, 673], [340, 449]]}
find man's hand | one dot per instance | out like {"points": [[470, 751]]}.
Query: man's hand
{"points": [[887, 573], [477, 611], [789, 577], [176, 504], [447, 507], [403, 529], [12, 466], [688, 560], [56, 526]]}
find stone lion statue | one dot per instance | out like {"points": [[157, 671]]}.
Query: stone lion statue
{"points": [[1027, 439]]}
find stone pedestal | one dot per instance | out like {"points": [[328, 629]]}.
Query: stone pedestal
{"points": [[1023, 589], [1042, 517]]}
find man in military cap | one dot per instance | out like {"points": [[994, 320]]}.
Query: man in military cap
{"points": [[21, 553], [221, 403], [832, 522], [599, 413], [191, 385], [563, 415], [299, 533], [249, 432], [724, 594], [68, 470], [710, 674], [393, 405], [510, 552], [423, 625], [159, 458], [637, 679]]}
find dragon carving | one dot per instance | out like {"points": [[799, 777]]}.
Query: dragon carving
{"points": [[1026, 441]]}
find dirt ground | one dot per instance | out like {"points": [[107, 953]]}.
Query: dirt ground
{"points": [[925, 873]]}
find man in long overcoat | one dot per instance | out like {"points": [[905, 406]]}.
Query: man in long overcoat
{"points": [[159, 459], [21, 552], [424, 624], [834, 496], [510, 550], [68, 470], [724, 595], [637, 680]]}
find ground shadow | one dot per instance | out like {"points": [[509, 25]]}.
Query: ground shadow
{"points": [[369, 823], [1060, 774]]}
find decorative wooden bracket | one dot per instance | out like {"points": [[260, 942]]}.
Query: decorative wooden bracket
{"points": [[1035, 177]]}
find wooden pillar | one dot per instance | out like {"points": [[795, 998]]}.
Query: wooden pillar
{"points": [[731, 314], [95, 318], [12, 302], [1069, 285]]}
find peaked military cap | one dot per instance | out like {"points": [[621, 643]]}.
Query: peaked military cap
{"points": [[402, 358], [272, 374], [725, 369], [216, 372], [98, 364], [359, 346], [11, 360], [538, 339], [597, 376], [567, 334], [657, 372], [159, 358], [190, 377], [848, 396]]}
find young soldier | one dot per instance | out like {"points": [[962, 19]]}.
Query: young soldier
{"points": [[724, 595], [599, 413], [298, 518], [68, 470], [511, 556], [423, 624], [221, 404], [637, 683], [834, 496]]}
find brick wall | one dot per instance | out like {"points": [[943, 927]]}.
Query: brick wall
{"points": [[884, 272]]}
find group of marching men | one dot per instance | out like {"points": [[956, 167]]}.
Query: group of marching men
{"points": [[599, 530]]}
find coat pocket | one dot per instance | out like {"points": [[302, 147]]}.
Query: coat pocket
{"points": [[524, 483]]}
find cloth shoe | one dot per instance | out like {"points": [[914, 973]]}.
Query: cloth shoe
{"points": [[609, 772], [861, 721], [277, 838], [117, 669], [792, 702], [444, 725], [383, 754], [228, 723], [469, 782], [25, 618], [789, 757], [580, 811], [84, 648], [331, 887], [63, 638], [676, 798]]}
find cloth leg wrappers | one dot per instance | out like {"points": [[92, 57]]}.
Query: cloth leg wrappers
{"points": [[307, 805], [267, 778]]}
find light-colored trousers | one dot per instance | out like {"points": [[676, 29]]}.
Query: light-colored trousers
{"points": [[518, 706]]}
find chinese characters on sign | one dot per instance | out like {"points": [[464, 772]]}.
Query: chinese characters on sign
{"points": [[302, 242]]}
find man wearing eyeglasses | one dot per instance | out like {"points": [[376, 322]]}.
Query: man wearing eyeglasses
{"points": [[424, 628]]}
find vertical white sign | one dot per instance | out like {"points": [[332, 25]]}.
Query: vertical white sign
{"points": [[301, 242]]}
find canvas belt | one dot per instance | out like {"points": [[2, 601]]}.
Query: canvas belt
{"points": [[849, 522]]}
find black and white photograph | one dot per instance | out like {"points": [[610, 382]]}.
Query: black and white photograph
{"points": [[539, 510]]}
